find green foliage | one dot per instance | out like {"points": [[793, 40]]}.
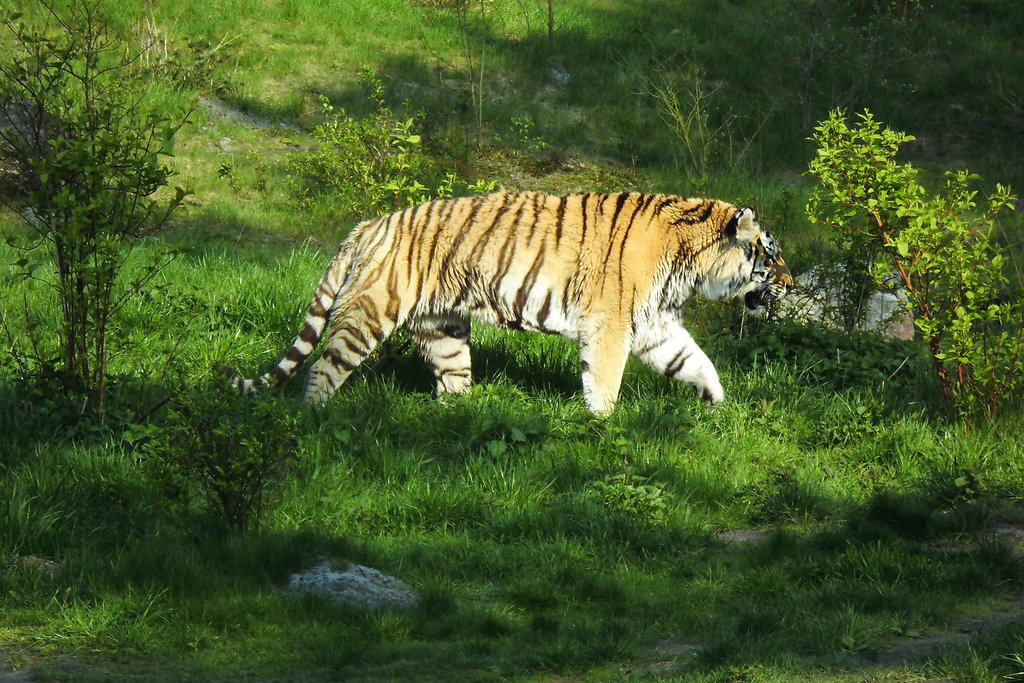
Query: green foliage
{"points": [[524, 131], [542, 541], [198, 64], [937, 249], [827, 357], [373, 166], [230, 451], [633, 495], [248, 180], [871, 523], [88, 160]]}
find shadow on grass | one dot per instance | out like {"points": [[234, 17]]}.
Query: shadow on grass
{"points": [[525, 565], [577, 597], [541, 541]]}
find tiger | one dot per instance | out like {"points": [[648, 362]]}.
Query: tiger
{"points": [[611, 271]]}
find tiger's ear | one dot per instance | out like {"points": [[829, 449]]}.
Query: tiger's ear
{"points": [[746, 226]]}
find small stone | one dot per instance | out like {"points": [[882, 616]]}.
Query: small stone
{"points": [[37, 564]]}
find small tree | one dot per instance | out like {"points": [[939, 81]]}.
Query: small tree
{"points": [[85, 155], [942, 251]]}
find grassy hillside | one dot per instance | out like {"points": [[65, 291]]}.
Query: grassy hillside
{"points": [[829, 522], [766, 71]]}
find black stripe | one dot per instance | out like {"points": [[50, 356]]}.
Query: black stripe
{"points": [[336, 359], [629, 231], [665, 201], [544, 312], [412, 238], [309, 335], [527, 285], [565, 294], [457, 330], [504, 261], [559, 217], [355, 334], [441, 223], [732, 226], [484, 236], [708, 209], [677, 362], [418, 239], [463, 230], [500, 212], [613, 228]]}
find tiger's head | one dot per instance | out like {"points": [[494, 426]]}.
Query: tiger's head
{"points": [[769, 279]]}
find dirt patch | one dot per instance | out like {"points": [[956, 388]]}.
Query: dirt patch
{"points": [[919, 649]]}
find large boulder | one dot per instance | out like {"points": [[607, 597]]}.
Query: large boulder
{"points": [[816, 297]]}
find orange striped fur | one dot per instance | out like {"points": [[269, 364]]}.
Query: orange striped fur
{"points": [[611, 271]]}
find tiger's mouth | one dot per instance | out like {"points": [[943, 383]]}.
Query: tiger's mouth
{"points": [[777, 286], [760, 299]]}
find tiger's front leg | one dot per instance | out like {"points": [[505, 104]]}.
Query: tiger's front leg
{"points": [[604, 350], [665, 346]]}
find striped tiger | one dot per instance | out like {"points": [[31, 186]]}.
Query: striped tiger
{"points": [[611, 271]]}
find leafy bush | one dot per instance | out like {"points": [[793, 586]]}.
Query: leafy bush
{"points": [[374, 165], [229, 450], [86, 154], [942, 252]]}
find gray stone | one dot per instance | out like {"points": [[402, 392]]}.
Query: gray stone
{"points": [[357, 586], [815, 297]]}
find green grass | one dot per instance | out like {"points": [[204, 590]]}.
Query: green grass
{"points": [[544, 544]]}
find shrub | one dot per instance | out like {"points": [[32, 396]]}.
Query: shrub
{"points": [[374, 165], [632, 495], [942, 251], [85, 154], [228, 450], [691, 109]]}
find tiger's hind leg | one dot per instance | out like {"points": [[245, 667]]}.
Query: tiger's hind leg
{"points": [[356, 330], [666, 347], [444, 344]]}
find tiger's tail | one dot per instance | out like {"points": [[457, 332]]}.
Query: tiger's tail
{"points": [[309, 337]]}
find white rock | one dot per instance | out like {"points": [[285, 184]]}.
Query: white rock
{"points": [[357, 586], [816, 297]]}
